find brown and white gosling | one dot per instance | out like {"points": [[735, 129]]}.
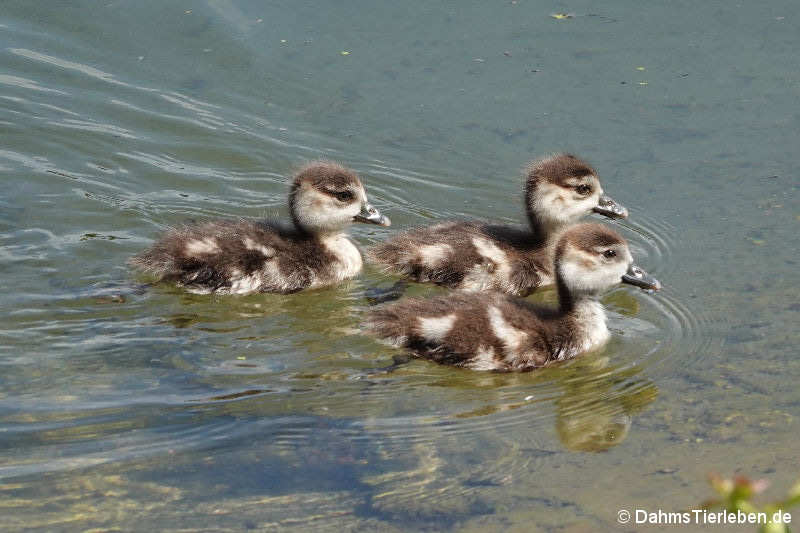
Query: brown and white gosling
{"points": [[474, 255], [243, 256], [492, 331]]}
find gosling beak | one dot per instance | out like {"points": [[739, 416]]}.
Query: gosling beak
{"points": [[608, 207], [370, 215], [640, 278]]}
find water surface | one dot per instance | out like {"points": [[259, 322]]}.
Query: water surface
{"points": [[149, 409]]}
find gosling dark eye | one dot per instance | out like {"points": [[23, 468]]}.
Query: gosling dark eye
{"points": [[583, 189], [344, 196], [608, 254]]}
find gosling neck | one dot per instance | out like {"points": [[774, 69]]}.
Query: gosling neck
{"points": [[545, 230], [569, 301], [316, 232]]}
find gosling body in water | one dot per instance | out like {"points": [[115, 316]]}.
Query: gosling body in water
{"points": [[243, 256], [493, 331], [474, 255]]}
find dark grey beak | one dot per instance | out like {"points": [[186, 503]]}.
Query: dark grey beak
{"points": [[640, 278], [608, 207], [370, 215]]}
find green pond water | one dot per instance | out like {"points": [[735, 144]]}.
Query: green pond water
{"points": [[143, 409]]}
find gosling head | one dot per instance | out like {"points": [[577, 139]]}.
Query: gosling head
{"points": [[326, 197], [591, 258], [561, 189]]}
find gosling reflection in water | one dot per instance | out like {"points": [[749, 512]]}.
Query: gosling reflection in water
{"points": [[596, 405], [595, 413]]}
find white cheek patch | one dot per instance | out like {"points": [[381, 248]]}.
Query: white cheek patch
{"points": [[250, 244], [592, 278], [435, 329], [549, 200], [349, 214], [590, 202], [432, 254], [578, 276], [201, 247], [319, 211], [580, 207], [510, 336], [558, 206], [562, 204]]}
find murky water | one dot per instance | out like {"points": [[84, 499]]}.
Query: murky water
{"points": [[147, 409]]}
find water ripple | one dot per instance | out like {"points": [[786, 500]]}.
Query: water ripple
{"points": [[24, 83], [111, 373], [71, 65]]}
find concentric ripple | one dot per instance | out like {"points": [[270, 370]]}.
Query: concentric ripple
{"points": [[652, 241]]}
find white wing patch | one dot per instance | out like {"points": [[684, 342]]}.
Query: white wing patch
{"points": [[432, 254], [510, 336], [246, 284], [250, 244], [435, 329], [267, 278], [490, 251], [200, 247], [484, 359], [493, 273]]}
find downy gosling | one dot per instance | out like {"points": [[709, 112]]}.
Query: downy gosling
{"points": [[474, 255], [243, 256], [493, 331]]}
